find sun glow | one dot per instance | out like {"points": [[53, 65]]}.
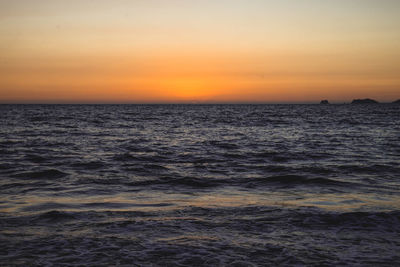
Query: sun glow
{"points": [[191, 89], [215, 51]]}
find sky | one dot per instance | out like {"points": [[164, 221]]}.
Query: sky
{"points": [[211, 51]]}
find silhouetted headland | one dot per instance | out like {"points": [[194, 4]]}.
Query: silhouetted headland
{"points": [[364, 101], [324, 102], [396, 102]]}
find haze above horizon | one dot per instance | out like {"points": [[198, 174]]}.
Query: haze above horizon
{"points": [[154, 51]]}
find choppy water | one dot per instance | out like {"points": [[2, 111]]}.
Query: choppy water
{"points": [[189, 185]]}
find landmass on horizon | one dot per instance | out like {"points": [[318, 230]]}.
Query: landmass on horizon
{"points": [[364, 101]]}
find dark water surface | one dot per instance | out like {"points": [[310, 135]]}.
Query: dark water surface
{"points": [[189, 185]]}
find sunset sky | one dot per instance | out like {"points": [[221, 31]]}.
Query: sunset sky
{"points": [[151, 51]]}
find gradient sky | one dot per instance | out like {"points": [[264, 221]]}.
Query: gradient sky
{"points": [[199, 51]]}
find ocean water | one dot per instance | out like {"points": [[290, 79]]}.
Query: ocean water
{"points": [[196, 185]]}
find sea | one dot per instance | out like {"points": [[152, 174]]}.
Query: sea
{"points": [[200, 185]]}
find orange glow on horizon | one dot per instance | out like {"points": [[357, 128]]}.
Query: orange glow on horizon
{"points": [[124, 51]]}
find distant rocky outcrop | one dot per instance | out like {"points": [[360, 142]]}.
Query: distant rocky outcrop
{"points": [[324, 102], [396, 102], [364, 101]]}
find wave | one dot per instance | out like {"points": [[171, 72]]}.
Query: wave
{"points": [[54, 216], [36, 158], [183, 181], [359, 220], [44, 174], [91, 165], [8, 143], [142, 158], [280, 181], [299, 180], [374, 168], [223, 145]]}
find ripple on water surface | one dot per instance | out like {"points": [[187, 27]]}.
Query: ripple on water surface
{"points": [[190, 185]]}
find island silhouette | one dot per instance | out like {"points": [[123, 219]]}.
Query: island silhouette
{"points": [[364, 101]]}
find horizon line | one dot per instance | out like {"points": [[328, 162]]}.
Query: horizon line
{"points": [[181, 103]]}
